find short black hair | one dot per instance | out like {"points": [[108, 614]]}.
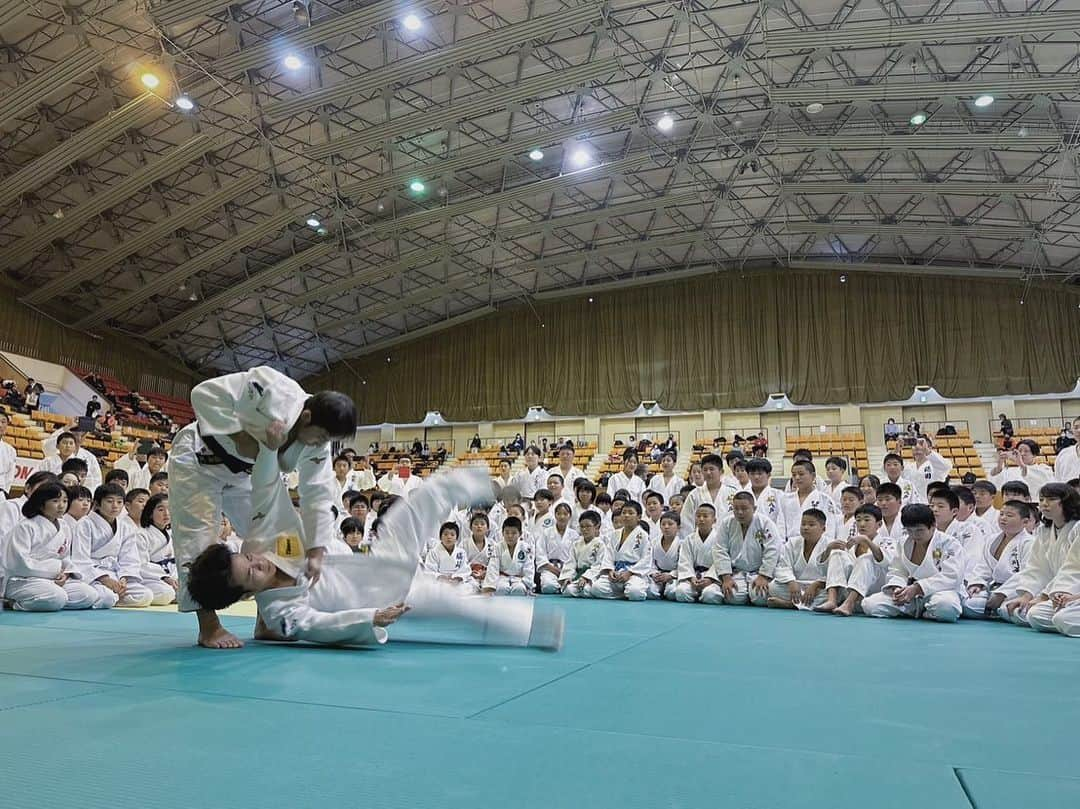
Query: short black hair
{"points": [[734, 455], [747, 496], [351, 525], [872, 510], [543, 494], [651, 495], [671, 515], [133, 493], [854, 490], [712, 459], [117, 474], [706, 506], [807, 465], [42, 494], [74, 466], [948, 495], [564, 505], [836, 460], [917, 514], [891, 489], [963, 494], [555, 475], [816, 514], [621, 494], [64, 435], [333, 411], [1033, 445], [603, 498], [935, 486], [1024, 509], [343, 458], [107, 490], [803, 453], [78, 493], [475, 518], [1015, 487], [891, 456], [758, 465], [512, 522], [446, 526], [209, 578], [589, 516], [146, 519], [159, 476], [359, 498], [1069, 497], [157, 452], [984, 486], [633, 505]]}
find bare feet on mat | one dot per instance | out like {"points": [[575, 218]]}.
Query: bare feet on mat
{"points": [[219, 638], [779, 603], [843, 610], [827, 606]]}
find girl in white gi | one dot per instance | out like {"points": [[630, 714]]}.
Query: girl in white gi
{"points": [[894, 471], [587, 573], [237, 416], [857, 567], [625, 478], [745, 555], [868, 485], [156, 555], [835, 477], [928, 466], [107, 552], [80, 501], [1059, 505], [447, 560], [806, 495], [38, 573], [356, 597], [542, 519], [767, 498], [993, 576], [926, 576], [665, 558], [695, 475], [631, 556], [511, 570], [714, 492], [667, 482], [553, 550], [696, 579], [478, 547], [503, 478], [584, 499], [800, 567]]}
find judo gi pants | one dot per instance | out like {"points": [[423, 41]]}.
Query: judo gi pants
{"points": [[42, 595], [601, 588], [685, 593], [161, 592], [1066, 620], [511, 586], [668, 591], [849, 572], [136, 595], [714, 594], [549, 583], [943, 606], [636, 589], [777, 590]]}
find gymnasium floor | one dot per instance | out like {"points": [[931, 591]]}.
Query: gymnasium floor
{"points": [[651, 705]]}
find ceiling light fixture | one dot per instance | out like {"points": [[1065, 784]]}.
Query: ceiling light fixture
{"points": [[292, 62], [412, 22], [536, 154], [984, 100], [417, 187], [666, 123], [814, 108], [313, 222], [580, 157], [150, 80], [918, 119], [185, 103]]}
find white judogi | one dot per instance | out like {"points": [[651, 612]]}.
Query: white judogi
{"points": [[1047, 558], [529, 482], [971, 536], [634, 553], [537, 524], [32, 557], [361, 480], [455, 563], [997, 574], [8, 457], [568, 478], [744, 555], [908, 492], [792, 565], [664, 561], [668, 488], [934, 468], [102, 550], [340, 607], [632, 484], [793, 511], [834, 491], [392, 483], [511, 571], [768, 506], [477, 557], [157, 559], [721, 501], [1067, 464], [696, 563], [590, 561], [844, 530], [940, 575], [553, 548], [990, 520], [863, 573], [52, 462], [260, 401], [1038, 475], [1066, 620]]}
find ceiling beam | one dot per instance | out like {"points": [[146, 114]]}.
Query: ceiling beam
{"points": [[928, 139], [913, 91], [960, 188], [29, 94]]}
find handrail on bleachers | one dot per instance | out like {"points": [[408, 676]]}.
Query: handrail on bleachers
{"points": [[657, 437]]}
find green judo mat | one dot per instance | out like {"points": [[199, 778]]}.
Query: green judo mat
{"points": [[648, 705]]}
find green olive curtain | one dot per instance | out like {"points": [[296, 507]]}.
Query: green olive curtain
{"points": [[728, 341]]}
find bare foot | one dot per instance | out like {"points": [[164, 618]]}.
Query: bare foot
{"points": [[220, 638], [843, 610], [827, 606], [779, 603]]}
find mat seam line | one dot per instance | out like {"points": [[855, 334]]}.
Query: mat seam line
{"points": [[958, 774], [58, 699]]}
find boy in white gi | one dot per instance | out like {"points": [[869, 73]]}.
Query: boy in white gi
{"points": [[856, 567], [946, 507], [357, 596], [533, 477], [631, 556], [511, 570], [157, 559], [588, 573], [993, 576], [766, 496], [893, 465], [800, 568], [37, 573], [107, 552], [665, 558], [696, 579], [926, 576], [1059, 505], [835, 477], [654, 510], [850, 499], [805, 495], [553, 550], [542, 519], [568, 473], [478, 547], [745, 554], [237, 417], [446, 560], [713, 492], [984, 491], [928, 465]]}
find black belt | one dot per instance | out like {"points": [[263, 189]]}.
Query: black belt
{"points": [[218, 455]]}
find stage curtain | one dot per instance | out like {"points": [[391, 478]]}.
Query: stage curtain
{"points": [[727, 341]]}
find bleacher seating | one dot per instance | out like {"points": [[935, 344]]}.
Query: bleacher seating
{"points": [[845, 445], [120, 397], [384, 462], [1043, 436], [489, 457], [613, 462]]}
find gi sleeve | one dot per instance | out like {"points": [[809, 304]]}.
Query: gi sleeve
{"points": [[491, 577], [950, 575], [319, 501], [643, 565], [1037, 572], [18, 559], [1067, 579], [81, 543], [940, 466], [785, 568], [296, 619], [128, 557], [770, 554]]}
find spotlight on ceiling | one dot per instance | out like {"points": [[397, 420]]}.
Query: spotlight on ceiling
{"points": [[185, 103], [292, 62], [313, 222], [322, 231], [412, 22], [815, 108], [150, 80], [536, 154], [580, 157], [918, 119], [984, 100], [666, 123], [417, 187]]}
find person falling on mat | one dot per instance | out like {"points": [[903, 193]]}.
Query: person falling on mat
{"points": [[356, 597]]}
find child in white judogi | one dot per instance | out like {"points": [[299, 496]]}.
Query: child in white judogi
{"points": [[857, 567], [993, 576], [805, 496], [478, 547], [631, 556], [745, 554], [696, 579], [654, 510], [946, 506], [836, 477], [542, 519], [625, 479], [665, 558], [713, 492], [766, 497], [849, 500], [984, 491], [511, 569], [37, 573], [1059, 506], [893, 465], [928, 466], [157, 559], [108, 553], [800, 567], [926, 577], [1062, 612], [554, 550], [588, 572], [447, 560]]}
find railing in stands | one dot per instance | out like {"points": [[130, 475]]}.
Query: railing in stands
{"points": [[705, 438], [818, 430], [1051, 423], [634, 439]]}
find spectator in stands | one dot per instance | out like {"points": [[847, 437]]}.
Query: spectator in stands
{"points": [[7, 459], [913, 430], [518, 444], [761, 443], [93, 406], [12, 397], [362, 478], [892, 432], [417, 447], [671, 445], [1006, 426], [32, 396], [1067, 463], [475, 445], [440, 453], [1065, 439]]}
